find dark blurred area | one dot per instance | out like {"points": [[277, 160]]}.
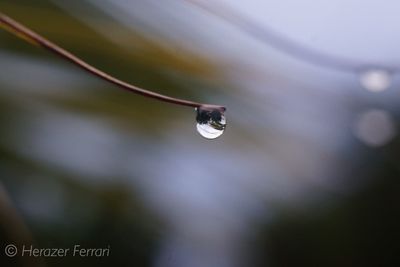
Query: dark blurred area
{"points": [[307, 173], [358, 230]]}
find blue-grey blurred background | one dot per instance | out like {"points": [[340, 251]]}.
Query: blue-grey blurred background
{"points": [[306, 174]]}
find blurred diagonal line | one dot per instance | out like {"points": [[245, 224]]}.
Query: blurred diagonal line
{"points": [[19, 34], [15, 228], [267, 36]]}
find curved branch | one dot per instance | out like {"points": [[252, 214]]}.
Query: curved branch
{"points": [[29, 35]]}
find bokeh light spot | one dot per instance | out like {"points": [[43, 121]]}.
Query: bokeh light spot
{"points": [[375, 127]]}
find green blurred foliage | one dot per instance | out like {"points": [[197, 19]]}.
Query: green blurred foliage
{"points": [[101, 215]]}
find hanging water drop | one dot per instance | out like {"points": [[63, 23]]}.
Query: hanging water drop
{"points": [[211, 122], [376, 80]]}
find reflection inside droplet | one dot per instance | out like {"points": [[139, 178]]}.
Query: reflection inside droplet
{"points": [[211, 122], [376, 80]]}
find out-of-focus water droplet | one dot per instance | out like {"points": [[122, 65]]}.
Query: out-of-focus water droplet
{"points": [[376, 80], [375, 127], [211, 122]]}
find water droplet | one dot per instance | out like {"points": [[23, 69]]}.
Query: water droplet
{"points": [[375, 127], [211, 122], [376, 80]]}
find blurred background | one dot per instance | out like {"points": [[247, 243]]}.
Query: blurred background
{"points": [[306, 174]]}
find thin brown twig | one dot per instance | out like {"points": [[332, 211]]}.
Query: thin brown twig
{"points": [[32, 37]]}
